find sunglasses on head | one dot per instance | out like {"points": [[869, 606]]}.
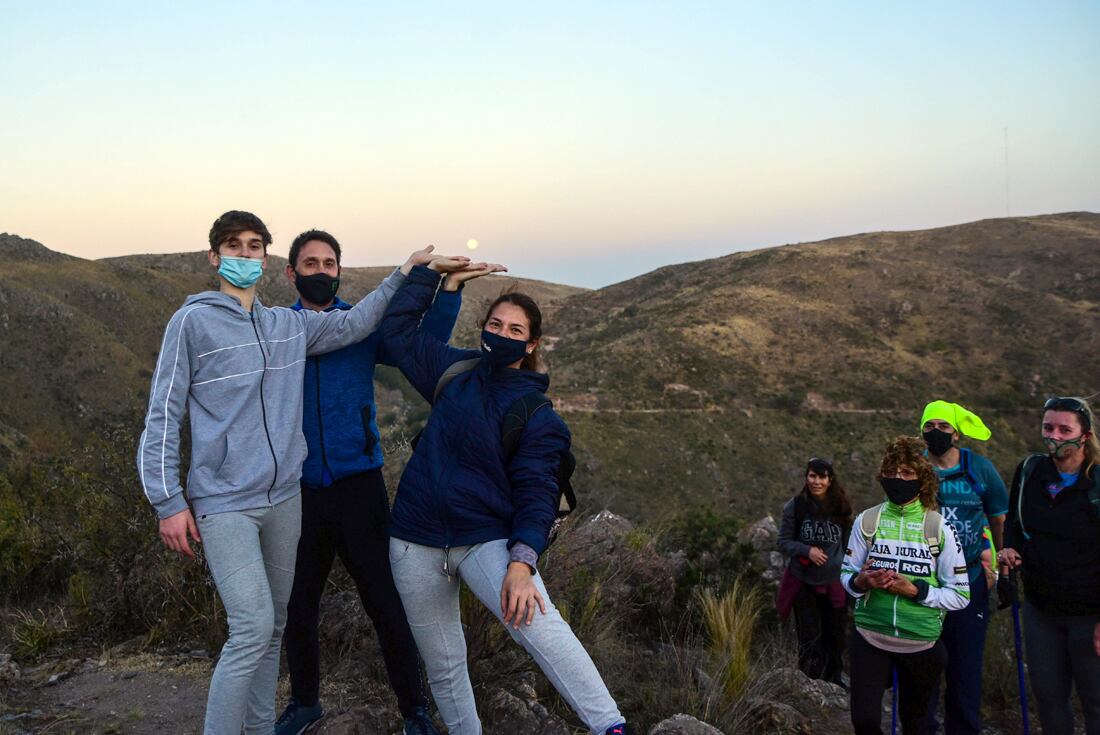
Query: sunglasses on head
{"points": [[816, 463], [1075, 405]]}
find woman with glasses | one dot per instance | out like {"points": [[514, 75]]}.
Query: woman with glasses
{"points": [[813, 533], [906, 569], [465, 510], [1052, 535]]}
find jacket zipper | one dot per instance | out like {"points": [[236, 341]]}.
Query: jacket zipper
{"points": [[263, 408], [321, 424]]}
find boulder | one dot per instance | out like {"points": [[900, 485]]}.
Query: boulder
{"points": [[768, 716], [507, 713], [9, 670], [762, 536], [809, 695], [626, 561], [682, 724]]}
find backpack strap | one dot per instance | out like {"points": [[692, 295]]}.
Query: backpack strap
{"points": [[1025, 472], [933, 532], [966, 460], [515, 421], [516, 418], [1094, 491], [453, 370], [868, 523]]}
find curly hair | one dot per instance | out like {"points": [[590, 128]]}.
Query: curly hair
{"points": [[909, 451]]}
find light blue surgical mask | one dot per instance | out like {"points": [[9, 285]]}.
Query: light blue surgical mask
{"points": [[241, 272]]}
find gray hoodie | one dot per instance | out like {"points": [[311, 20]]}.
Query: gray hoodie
{"points": [[816, 529], [239, 376]]}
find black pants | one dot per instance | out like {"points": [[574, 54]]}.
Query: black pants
{"points": [[871, 675], [963, 640], [821, 628], [349, 518]]}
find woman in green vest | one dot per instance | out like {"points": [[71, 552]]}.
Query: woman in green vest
{"points": [[906, 569]]}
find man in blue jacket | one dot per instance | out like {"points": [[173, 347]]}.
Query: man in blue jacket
{"points": [[345, 507]]}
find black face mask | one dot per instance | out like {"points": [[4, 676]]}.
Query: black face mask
{"points": [[938, 441], [900, 491], [319, 289]]}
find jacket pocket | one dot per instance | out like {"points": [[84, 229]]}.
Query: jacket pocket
{"points": [[368, 441]]}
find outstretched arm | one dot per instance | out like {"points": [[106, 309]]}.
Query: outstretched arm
{"points": [[439, 321], [330, 330], [419, 355]]}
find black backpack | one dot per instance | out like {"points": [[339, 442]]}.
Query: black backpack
{"points": [[512, 426]]}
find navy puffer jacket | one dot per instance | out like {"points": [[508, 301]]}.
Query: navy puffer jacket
{"points": [[458, 488]]}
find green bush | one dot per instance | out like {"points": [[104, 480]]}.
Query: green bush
{"points": [[75, 527]]}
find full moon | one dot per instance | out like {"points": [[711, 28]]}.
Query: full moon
{"points": [[472, 244]]}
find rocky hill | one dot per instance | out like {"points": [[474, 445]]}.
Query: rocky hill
{"points": [[713, 382], [80, 337], [704, 383]]}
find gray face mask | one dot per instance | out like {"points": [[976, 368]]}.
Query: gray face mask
{"points": [[1055, 447]]}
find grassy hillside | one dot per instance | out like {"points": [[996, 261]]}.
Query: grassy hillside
{"points": [[712, 382], [81, 337], [704, 383]]}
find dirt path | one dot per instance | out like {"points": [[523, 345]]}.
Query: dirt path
{"points": [[144, 695]]}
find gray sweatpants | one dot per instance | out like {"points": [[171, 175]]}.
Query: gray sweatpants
{"points": [[431, 604], [251, 556]]}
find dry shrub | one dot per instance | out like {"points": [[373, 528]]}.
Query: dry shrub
{"points": [[730, 623]]}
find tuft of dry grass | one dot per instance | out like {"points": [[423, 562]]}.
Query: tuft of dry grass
{"points": [[731, 623]]}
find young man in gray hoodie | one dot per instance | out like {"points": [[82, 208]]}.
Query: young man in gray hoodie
{"points": [[236, 367]]}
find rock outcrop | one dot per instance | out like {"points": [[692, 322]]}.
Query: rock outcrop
{"points": [[761, 536], [683, 725]]}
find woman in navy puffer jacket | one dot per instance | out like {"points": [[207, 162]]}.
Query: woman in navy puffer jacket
{"points": [[465, 510]]}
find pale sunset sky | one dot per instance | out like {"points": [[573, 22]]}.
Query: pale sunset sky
{"points": [[581, 143]]}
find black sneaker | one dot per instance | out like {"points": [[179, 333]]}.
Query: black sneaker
{"points": [[420, 723], [296, 719]]}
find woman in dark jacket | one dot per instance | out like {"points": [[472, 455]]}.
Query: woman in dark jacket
{"points": [[1052, 535], [464, 509], [812, 533]]}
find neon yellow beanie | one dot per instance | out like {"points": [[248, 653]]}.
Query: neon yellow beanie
{"points": [[965, 422]]}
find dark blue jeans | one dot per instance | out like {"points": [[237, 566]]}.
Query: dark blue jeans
{"points": [[1060, 657], [964, 640]]}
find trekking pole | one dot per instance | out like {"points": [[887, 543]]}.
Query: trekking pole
{"points": [[894, 703], [1020, 664]]}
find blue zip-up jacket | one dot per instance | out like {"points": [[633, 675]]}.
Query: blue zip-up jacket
{"points": [[339, 417], [458, 488]]}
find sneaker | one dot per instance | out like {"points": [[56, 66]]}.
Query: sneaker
{"points": [[420, 723], [620, 729], [296, 719]]}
